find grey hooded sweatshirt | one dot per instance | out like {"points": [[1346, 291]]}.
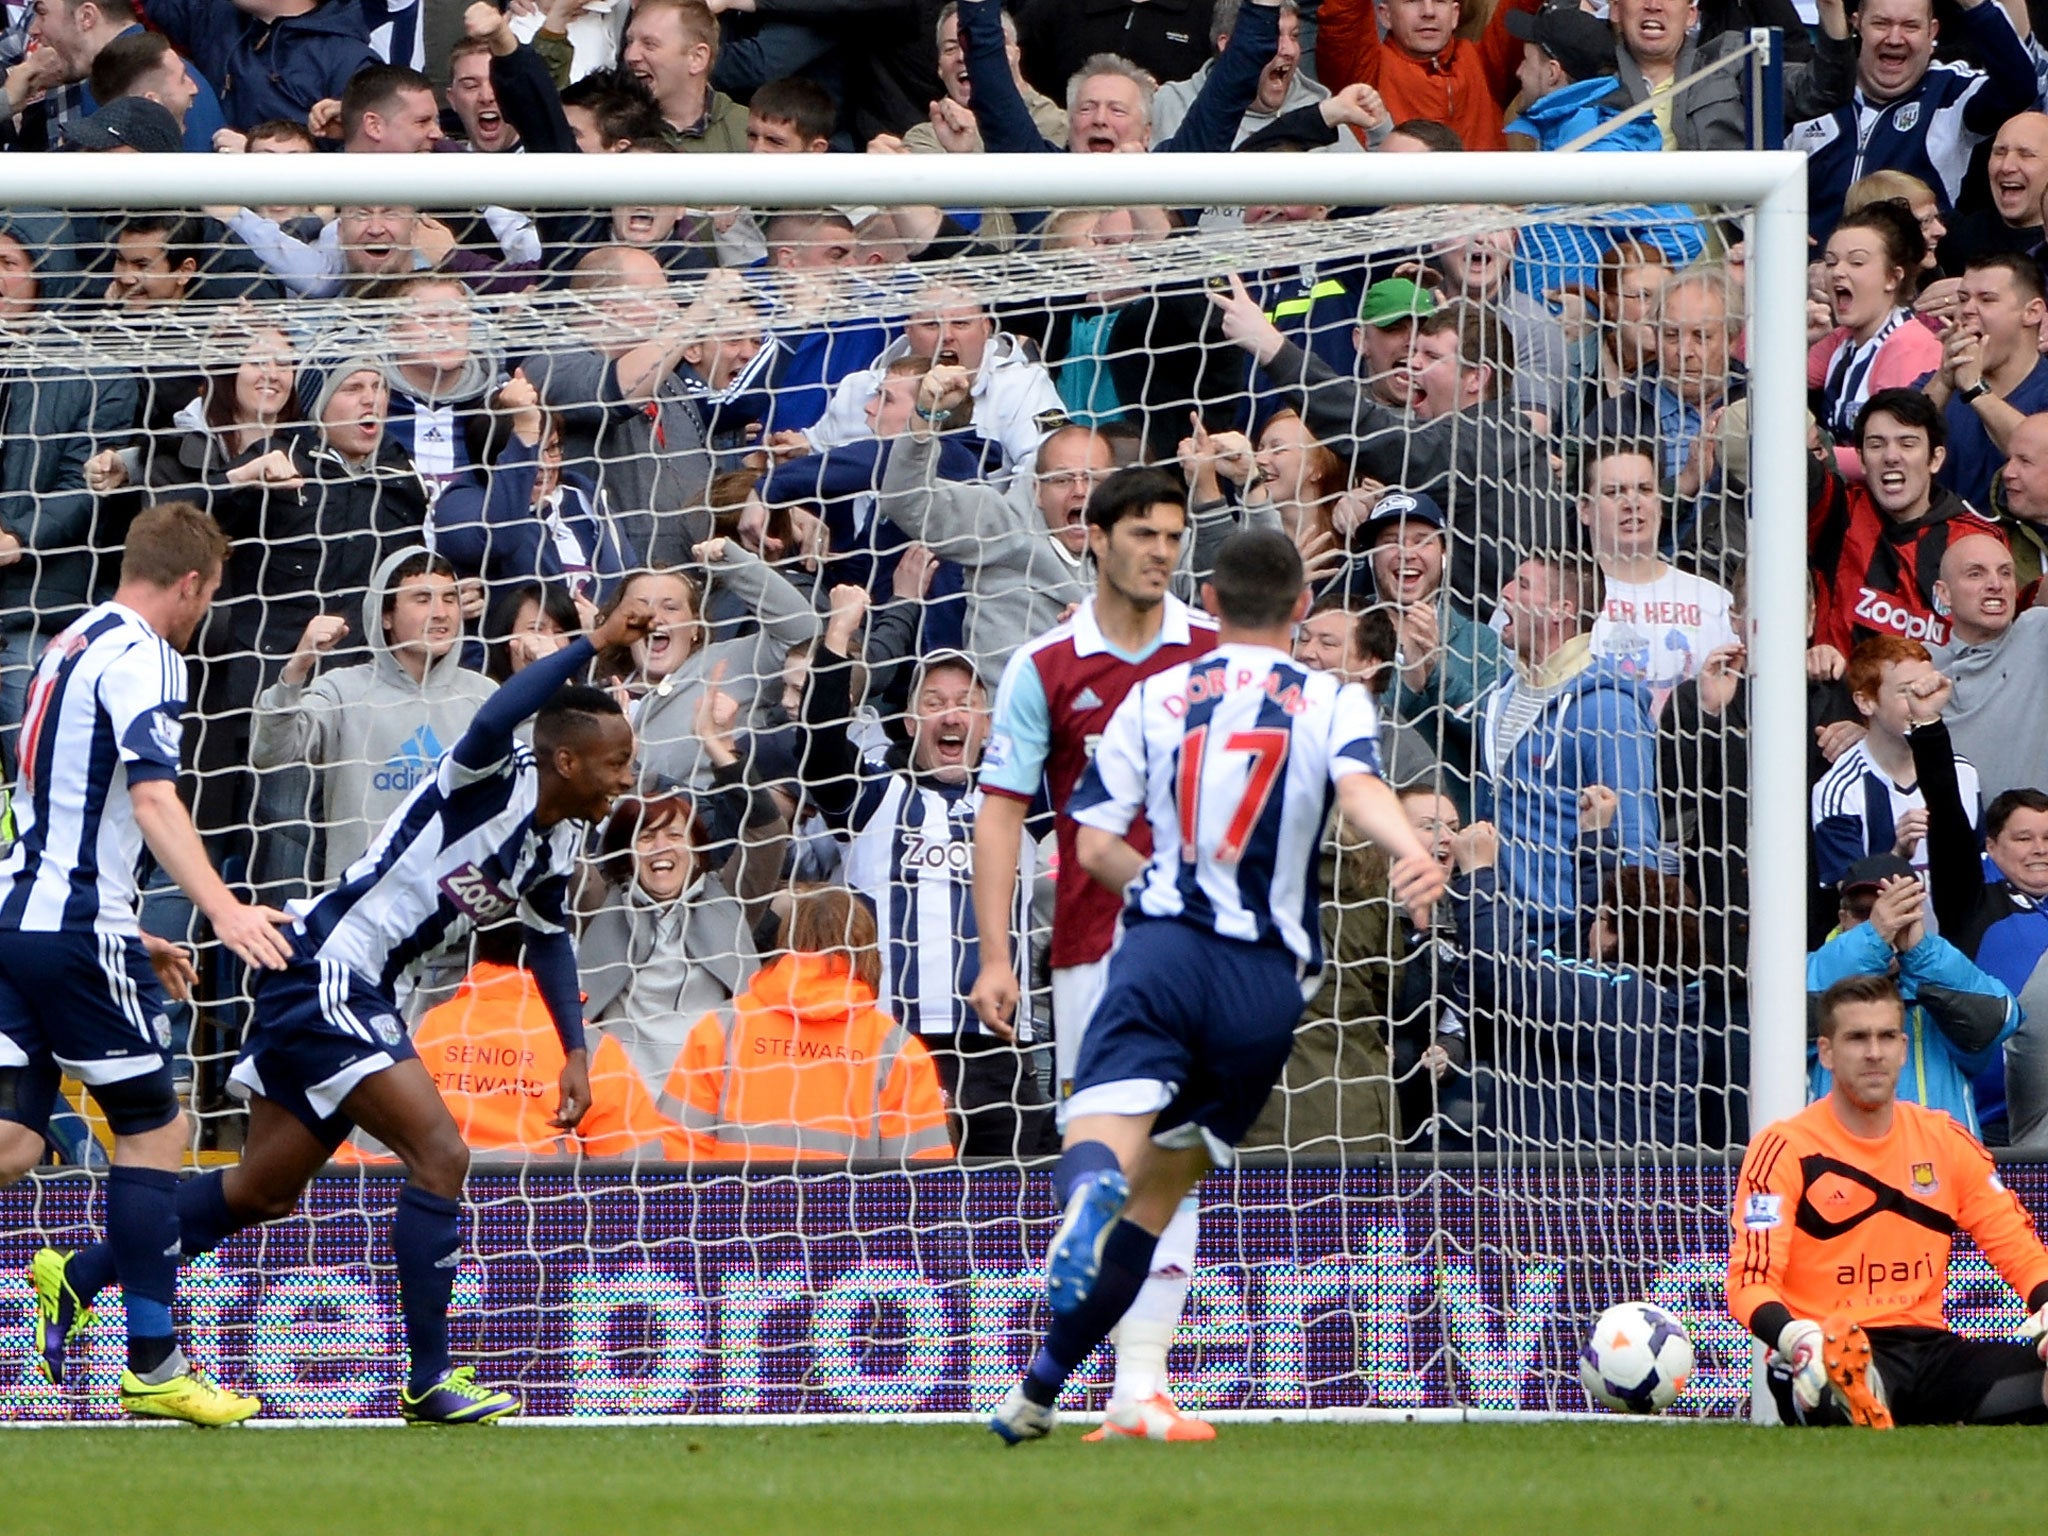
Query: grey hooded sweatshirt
{"points": [[373, 732]]}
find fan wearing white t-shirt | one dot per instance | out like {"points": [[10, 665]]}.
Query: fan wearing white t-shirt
{"points": [[1658, 622]]}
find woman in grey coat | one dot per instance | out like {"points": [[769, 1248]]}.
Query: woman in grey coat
{"points": [[665, 939]]}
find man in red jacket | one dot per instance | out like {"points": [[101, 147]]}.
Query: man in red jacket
{"points": [[1423, 69]]}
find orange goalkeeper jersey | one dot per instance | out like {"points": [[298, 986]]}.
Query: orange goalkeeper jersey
{"points": [[1828, 1222]]}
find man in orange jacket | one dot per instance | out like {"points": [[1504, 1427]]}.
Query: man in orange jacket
{"points": [[801, 1065], [492, 1052], [1843, 1220], [1422, 68]]}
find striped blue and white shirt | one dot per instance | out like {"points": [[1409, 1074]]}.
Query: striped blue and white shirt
{"points": [[912, 857], [1233, 758], [104, 712], [462, 852]]}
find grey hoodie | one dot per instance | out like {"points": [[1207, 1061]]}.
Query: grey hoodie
{"points": [[666, 718], [374, 732]]}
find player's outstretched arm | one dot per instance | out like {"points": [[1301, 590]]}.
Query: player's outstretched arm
{"points": [[998, 842], [249, 931], [551, 958], [489, 736], [1375, 811]]}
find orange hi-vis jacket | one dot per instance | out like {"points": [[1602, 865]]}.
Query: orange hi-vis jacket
{"points": [[492, 1051], [802, 1065], [1467, 87], [1828, 1222]]}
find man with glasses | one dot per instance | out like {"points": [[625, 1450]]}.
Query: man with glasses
{"points": [[1022, 549]]}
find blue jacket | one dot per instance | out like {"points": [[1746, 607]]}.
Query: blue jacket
{"points": [[488, 526], [265, 69], [1211, 123], [1957, 1016], [1930, 132], [1588, 1053], [1597, 728], [1553, 255]]}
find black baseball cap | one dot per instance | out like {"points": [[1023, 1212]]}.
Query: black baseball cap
{"points": [[129, 122], [1868, 874], [1582, 44]]}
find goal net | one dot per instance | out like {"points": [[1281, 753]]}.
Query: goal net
{"points": [[1516, 444]]}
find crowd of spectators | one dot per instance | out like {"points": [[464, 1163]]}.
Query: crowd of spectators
{"points": [[1514, 459]]}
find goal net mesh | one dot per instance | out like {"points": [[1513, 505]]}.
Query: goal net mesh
{"points": [[1503, 451]]}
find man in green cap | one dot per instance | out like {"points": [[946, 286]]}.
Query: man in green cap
{"points": [[1386, 333]]}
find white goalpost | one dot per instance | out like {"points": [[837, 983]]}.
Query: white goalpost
{"points": [[1407, 1281]]}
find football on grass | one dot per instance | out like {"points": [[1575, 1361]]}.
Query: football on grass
{"points": [[1637, 1359]]}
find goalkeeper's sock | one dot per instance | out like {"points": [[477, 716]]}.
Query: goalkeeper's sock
{"points": [[1077, 1163], [142, 1231], [426, 1239], [205, 1219], [1126, 1257], [1145, 1335]]}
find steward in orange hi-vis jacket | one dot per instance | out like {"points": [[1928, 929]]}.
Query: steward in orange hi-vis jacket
{"points": [[1843, 1220], [492, 1052], [802, 1065]]}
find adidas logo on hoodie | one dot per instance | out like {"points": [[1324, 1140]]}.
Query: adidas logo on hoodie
{"points": [[411, 765]]}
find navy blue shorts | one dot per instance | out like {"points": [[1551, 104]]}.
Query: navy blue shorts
{"points": [[319, 1031], [1191, 1026], [87, 1004]]}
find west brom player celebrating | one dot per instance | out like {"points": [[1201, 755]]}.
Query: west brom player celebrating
{"points": [[79, 981], [1056, 696], [492, 834], [1232, 758]]}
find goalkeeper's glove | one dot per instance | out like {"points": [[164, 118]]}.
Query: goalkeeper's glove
{"points": [[1799, 1351], [2035, 1330]]}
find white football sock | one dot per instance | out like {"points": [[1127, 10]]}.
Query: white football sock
{"points": [[1146, 1332]]}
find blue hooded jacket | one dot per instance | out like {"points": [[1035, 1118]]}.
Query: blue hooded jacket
{"points": [[268, 69], [1557, 254], [1595, 728], [1957, 1016]]}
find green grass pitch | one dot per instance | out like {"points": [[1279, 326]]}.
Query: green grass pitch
{"points": [[1285, 1479]]}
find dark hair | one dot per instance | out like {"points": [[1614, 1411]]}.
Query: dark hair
{"points": [[1851, 991], [804, 104], [1132, 493], [1904, 246], [171, 540], [621, 104], [1440, 137], [2026, 272], [184, 236], [2002, 806], [555, 603], [574, 710], [1257, 578], [1610, 448], [1656, 922], [376, 88], [1909, 407], [125, 60], [1577, 581], [1483, 341], [220, 393], [633, 814], [419, 563]]}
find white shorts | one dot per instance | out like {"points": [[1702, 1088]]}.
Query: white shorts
{"points": [[1076, 989]]}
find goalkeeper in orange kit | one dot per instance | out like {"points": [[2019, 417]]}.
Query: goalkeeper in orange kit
{"points": [[1843, 1220]]}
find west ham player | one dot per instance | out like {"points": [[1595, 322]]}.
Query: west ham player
{"points": [[1843, 1219], [1056, 696], [80, 982], [493, 835], [1233, 759]]}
